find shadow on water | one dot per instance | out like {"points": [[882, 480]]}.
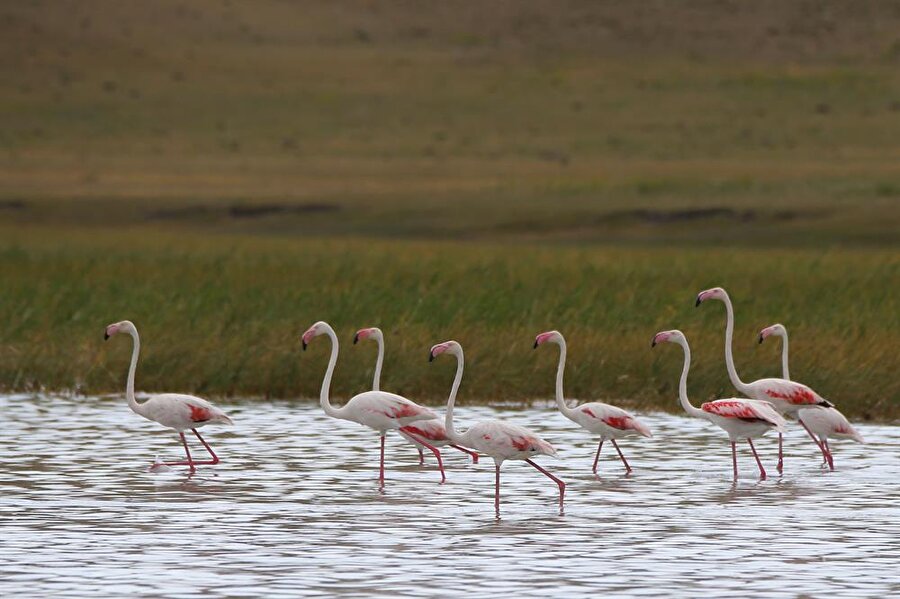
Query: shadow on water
{"points": [[295, 508]]}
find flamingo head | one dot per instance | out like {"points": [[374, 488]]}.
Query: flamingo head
{"points": [[673, 336], [552, 336], [776, 329], [446, 347], [126, 326], [315, 330], [371, 333], [715, 293]]}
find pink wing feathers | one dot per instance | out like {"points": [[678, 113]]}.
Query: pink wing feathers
{"points": [[745, 409], [615, 417]]}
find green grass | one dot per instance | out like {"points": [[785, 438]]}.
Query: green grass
{"points": [[222, 316], [225, 174]]}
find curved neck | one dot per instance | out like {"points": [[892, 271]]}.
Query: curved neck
{"points": [[560, 371], [729, 357], [448, 419], [129, 386], [326, 382], [785, 371], [682, 385], [376, 380]]}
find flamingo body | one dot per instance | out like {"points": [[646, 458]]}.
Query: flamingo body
{"points": [[172, 410], [383, 411]]}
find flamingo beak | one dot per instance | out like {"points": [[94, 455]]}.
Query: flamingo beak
{"points": [[535, 344], [699, 300], [761, 338], [303, 342], [355, 338], [430, 356], [105, 336], [653, 343]]}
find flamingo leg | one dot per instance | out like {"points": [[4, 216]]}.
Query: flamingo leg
{"points": [[421, 457], [621, 455], [187, 452], [762, 471], [436, 452], [215, 458], [812, 436], [734, 458], [559, 483], [780, 466], [828, 455], [497, 488], [381, 467], [597, 457], [474, 454]]}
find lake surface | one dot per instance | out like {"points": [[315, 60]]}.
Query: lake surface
{"points": [[295, 509]]}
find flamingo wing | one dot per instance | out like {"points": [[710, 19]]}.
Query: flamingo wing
{"points": [[745, 409], [790, 392], [391, 407], [430, 430], [614, 417]]}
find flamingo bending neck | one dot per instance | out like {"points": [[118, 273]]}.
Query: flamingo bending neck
{"points": [[451, 401], [729, 357], [560, 371], [682, 384], [136, 407], [326, 382]]}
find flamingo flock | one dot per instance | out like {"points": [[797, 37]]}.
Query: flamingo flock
{"points": [[766, 404]]}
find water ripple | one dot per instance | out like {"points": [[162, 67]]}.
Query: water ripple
{"points": [[295, 509]]}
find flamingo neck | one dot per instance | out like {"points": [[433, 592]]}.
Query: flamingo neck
{"points": [[785, 371], [729, 357], [560, 371], [682, 384], [326, 382], [376, 379], [129, 386], [451, 401]]}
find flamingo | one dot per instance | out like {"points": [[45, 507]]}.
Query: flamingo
{"points": [[740, 418], [788, 397], [172, 410], [603, 419], [823, 422], [377, 410], [499, 440], [431, 430]]}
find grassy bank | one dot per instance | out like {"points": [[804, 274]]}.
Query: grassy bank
{"points": [[222, 316]]}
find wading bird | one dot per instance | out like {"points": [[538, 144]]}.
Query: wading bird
{"points": [[432, 431], [377, 410], [740, 418], [172, 410], [823, 422], [787, 396], [599, 418], [499, 440]]}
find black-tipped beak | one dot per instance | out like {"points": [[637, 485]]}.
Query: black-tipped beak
{"points": [[430, 357], [355, 338], [653, 343], [105, 336], [535, 344], [761, 338], [699, 301], [304, 344]]}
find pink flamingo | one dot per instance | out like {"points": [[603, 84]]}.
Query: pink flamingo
{"points": [[787, 396], [500, 440], [172, 410], [430, 430], [377, 410], [603, 419], [823, 422], [740, 418]]}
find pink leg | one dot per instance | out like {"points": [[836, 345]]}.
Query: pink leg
{"points": [[215, 458], [559, 483], [780, 466], [597, 457], [762, 472], [621, 455], [497, 488], [734, 459], [474, 454], [812, 436], [381, 468], [437, 454], [187, 452], [421, 457], [828, 456]]}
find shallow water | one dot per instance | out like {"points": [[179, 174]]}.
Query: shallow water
{"points": [[295, 508]]}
